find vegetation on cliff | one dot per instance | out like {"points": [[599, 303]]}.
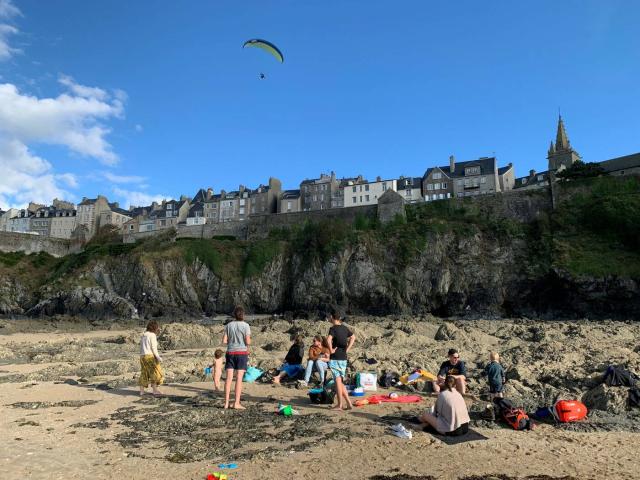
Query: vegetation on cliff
{"points": [[443, 257]]}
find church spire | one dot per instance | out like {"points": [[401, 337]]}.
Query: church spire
{"points": [[562, 141], [552, 149]]}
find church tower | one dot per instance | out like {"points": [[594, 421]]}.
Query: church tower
{"points": [[561, 155]]}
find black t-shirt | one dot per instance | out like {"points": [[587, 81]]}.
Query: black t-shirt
{"points": [[340, 339], [295, 354], [447, 369]]}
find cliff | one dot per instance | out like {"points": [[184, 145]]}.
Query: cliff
{"points": [[447, 258]]}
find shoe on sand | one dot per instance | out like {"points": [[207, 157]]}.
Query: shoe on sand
{"points": [[404, 433]]}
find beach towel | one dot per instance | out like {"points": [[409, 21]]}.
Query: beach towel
{"points": [[376, 399]]}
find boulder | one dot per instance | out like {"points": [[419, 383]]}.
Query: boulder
{"points": [[176, 336], [609, 399], [447, 331]]}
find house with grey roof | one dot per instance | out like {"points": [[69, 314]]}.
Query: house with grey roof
{"points": [[88, 213], [196, 214], [317, 193], [289, 201], [5, 216], [410, 188], [363, 192], [465, 179], [627, 165], [264, 199]]}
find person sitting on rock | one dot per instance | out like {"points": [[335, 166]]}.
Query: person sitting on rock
{"points": [[449, 416], [292, 365], [455, 368], [318, 356], [151, 370]]}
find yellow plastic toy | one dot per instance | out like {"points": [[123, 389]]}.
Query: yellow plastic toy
{"points": [[413, 377]]}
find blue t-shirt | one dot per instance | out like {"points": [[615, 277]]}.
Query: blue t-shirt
{"points": [[448, 369], [495, 374]]}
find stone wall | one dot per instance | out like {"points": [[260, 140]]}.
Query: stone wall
{"points": [[27, 243]]}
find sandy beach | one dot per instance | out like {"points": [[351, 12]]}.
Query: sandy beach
{"points": [[96, 426]]}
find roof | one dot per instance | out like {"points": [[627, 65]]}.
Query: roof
{"points": [[200, 196], [121, 211], [621, 163], [503, 170], [88, 201], [291, 194], [532, 180], [196, 207], [487, 165], [413, 182]]}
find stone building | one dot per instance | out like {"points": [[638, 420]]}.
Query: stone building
{"points": [[363, 192], [169, 213], [21, 222], [5, 216], [115, 216], [627, 165], [196, 214], [561, 155], [410, 188], [88, 213], [317, 193], [289, 201], [63, 223], [264, 199], [465, 179]]}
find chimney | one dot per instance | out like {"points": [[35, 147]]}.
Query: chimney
{"points": [[209, 193], [532, 173], [333, 176], [378, 178], [116, 205], [452, 164]]}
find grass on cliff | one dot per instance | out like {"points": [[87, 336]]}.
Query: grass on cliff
{"points": [[595, 230]]}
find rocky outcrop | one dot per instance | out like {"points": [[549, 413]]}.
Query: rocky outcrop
{"points": [[451, 275], [93, 303]]}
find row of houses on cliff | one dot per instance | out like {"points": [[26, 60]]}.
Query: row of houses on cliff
{"points": [[481, 176]]}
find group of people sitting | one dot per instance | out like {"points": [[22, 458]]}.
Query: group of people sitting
{"points": [[326, 354]]}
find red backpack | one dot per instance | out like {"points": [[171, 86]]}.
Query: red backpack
{"points": [[516, 417], [569, 411]]}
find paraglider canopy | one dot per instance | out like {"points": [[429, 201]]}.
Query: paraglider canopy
{"points": [[266, 46]]}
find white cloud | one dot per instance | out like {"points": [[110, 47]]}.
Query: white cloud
{"points": [[75, 120], [68, 120], [137, 199], [7, 11], [82, 90], [139, 128], [123, 178], [27, 177]]}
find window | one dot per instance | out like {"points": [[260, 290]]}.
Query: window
{"points": [[366, 198], [241, 210], [437, 176], [360, 198], [242, 200], [407, 192], [540, 177], [169, 206], [460, 182], [444, 185], [315, 198], [429, 186], [384, 186], [322, 197], [289, 206], [524, 180], [441, 196], [354, 198], [366, 187], [483, 179], [472, 171], [354, 189], [436, 186]]}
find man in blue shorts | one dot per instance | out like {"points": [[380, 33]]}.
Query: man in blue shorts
{"points": [[340, 341], [237, 338]]}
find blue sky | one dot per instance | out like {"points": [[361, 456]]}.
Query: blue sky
{"points": [[372, 88]]}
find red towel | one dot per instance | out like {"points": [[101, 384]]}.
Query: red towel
{"points": [[375, 399]]}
